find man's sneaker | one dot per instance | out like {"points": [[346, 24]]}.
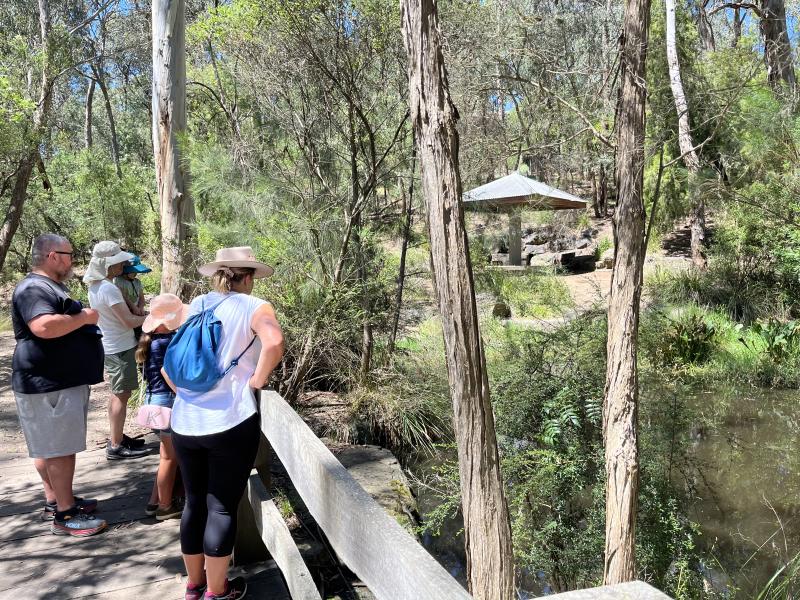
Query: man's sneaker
{"points": [[195, 591], [234, 590], [84, 505], [173, 511], [151, 509], [73, 522], [132, 443], [122, 452]]}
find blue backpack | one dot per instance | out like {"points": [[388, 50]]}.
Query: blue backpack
{"points": [[191, 360]]}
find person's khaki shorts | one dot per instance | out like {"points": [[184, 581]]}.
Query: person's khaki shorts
{"points": [[121, 371], [54, 423]]}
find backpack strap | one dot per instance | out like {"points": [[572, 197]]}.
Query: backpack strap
{"points": [[235, 361]]}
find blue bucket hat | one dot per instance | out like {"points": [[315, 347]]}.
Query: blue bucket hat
{"points": [[135, 266]]}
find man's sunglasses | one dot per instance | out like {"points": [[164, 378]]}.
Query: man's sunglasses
{"points": [[62, 252]]}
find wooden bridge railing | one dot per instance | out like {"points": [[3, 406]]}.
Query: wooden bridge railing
{"points": [[390, 561]]}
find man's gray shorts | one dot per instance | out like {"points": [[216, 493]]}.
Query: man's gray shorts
{"points": [[54, 423]]}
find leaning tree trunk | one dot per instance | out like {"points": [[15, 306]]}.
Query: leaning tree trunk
{"points": [[620, 407], [87, 127], [685, 142], [777, 47], [178, 235], [26, 164], [98, 74], [490, 569]]}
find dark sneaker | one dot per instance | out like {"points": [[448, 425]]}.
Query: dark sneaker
{"points": [[173, 511], [132, 443], [234, 589], [151, 509], [195, 591], [122, 452], [73, 522], [84, 505]]}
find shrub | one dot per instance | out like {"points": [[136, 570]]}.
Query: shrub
{"points": [[689, 339]]}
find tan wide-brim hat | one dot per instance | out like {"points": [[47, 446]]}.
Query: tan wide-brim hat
{"points": [[241, 256], [167, 310]]}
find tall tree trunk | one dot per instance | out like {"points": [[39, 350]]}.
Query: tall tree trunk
{"points": [[100, 77], [620, 407], [487, 531], [40, 117], [603, 191], [88, 120], [178, 234], [777, 47], [685, 142], [736, 26], [408, 211], [704, 28]]}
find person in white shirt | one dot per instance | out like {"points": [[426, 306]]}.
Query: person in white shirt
{"points": [[216, 433], [116, 323]]}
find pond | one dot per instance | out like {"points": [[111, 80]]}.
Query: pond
{"points": [[740, 471], [743, 477]]}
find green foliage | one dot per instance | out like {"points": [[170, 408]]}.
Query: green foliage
{"points": [[688, 339], [781, 341], [602, 246], [785, 583], [527, 294]]}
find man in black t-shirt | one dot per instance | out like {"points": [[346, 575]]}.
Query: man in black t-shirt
{"points": [[57, 356]]}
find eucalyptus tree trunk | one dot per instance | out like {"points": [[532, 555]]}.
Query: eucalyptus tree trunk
{"points": [[620, 407], [777, 47], [736, 27], [19, 192], [487, 531], [178, 235], [408, 211], [704, 28], [87, 127], [685, 142], [99, 76]]}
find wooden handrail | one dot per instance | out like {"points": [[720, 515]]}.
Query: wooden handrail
{"points": [[372, 544]]}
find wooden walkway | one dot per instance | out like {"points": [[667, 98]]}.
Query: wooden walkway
{"points": [[137, 557]]}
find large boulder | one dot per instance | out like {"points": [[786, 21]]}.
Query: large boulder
{"points": [[542, 260], [537, 235]]}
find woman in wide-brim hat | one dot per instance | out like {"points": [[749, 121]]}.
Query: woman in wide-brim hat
{"points": [[216, 433]]}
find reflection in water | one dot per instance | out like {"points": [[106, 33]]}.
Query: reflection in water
{"points": [[733, 453], [742, 473]]}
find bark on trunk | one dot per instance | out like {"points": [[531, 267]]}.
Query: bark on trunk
{"points": [[88, 120], [737, 27], [178, 235], [603, 191], [685, 141], [704, 28], [40, 117], [620, 408], [777, 48], [98, 74], [490, 570]]}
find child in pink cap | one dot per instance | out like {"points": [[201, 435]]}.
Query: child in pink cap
{"points": [[167, 314]]}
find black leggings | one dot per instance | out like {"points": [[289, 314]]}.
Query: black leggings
{"points": [[215, 469]]}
